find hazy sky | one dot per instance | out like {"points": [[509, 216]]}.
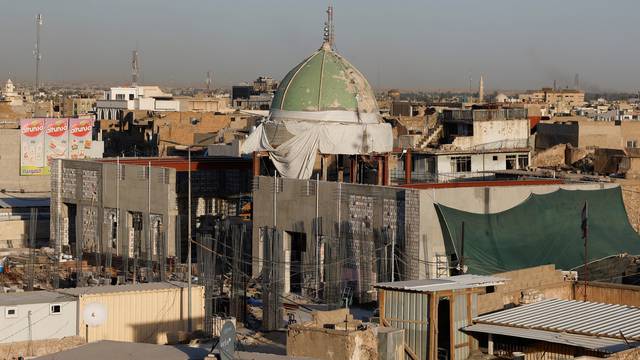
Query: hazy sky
{"points": [[421, 44]]}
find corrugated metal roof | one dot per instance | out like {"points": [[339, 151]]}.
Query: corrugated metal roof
{"points": [[576, 317], [447, 283], [108, 289], [596, 343], [33, 297]]}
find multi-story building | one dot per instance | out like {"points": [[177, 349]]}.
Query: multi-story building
{"points": [[75, 107], [118, 100], [570, 97]]}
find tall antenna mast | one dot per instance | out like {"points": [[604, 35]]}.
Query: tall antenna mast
{"points": [[36, 52], [209, 81], [135, 68], [329, 34]]}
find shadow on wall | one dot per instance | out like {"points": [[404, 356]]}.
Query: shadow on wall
{"points": [[161, 332]]}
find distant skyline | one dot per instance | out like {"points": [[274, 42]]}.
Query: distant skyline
{"points": [[424, 45]]}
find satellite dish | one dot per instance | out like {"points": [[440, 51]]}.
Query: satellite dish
{"points": [[94, 314], [227, 344]]}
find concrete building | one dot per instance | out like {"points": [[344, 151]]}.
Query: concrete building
{"points": [[151, 195], [481, 129], [76, 107], [570, 97], [153, 313], [584, 133], [86, 197], [265, 84], [118, 100], [454, 165], [36, 315], [15, 218], [355, 225]]}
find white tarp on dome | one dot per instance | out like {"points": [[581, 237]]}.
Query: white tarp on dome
{"points": [[295, 157]]}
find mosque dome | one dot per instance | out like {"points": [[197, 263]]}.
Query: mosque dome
{"points": [[326, 82]]}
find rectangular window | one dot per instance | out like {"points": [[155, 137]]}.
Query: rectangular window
{"points": [[511, 162], [632, 144], [11, 312], [56, 308], [523, 161], [130, 96], [460, 164], [119, 96]]}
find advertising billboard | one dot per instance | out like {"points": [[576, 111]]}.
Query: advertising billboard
{"points": [[43, 140], [56, 141], [32, 160], [80, 132]]}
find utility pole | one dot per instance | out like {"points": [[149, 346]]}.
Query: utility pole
{"points": [[462, 248], [189, 236], [38, 56], [585, 237], [317, 236]]}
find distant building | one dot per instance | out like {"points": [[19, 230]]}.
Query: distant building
{"points": [[551, 96], [120, 99], [10, 95], [75, 107], [265, 84]]}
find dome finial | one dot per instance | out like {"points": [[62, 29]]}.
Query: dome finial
{"points": [[328, 29]]}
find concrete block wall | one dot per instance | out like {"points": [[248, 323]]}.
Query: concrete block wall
{"points": [[354, 219]]}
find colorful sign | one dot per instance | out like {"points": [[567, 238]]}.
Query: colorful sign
{"points": [[80, 131], [43, 140], [56, 141], [32, 147]]}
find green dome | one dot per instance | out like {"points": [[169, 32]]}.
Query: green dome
{"points": [[325, 81]]}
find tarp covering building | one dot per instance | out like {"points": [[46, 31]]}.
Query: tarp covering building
{"points": [[543, 229], [323, 105]]}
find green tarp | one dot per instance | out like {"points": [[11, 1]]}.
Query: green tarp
{"points": [[543, 229]]}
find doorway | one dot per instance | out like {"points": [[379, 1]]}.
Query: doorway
{"points": [[444, 328], [296, 246]]}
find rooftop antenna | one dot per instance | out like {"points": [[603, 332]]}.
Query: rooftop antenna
{"points": [[329, 34], [135, 67], [576, 82], [36, 52]]}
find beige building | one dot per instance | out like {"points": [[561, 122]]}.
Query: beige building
{"points": [[75, 107], [569, 97], [153, 313], [204, 104]]}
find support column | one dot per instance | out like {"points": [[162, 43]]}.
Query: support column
{"points": [[490, 345], [256, 163], [354, 169], [324, 164], [386, 175], [380, 162], [408, 160]]}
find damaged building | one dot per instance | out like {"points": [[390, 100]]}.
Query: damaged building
{"points": [[120, 214]]}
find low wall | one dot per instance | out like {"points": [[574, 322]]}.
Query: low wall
{"points": [[609, 293], [531, 284], [328, 344]]}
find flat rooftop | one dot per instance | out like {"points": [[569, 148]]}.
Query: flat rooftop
{"points": [[33, 297], [109, 289]]}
